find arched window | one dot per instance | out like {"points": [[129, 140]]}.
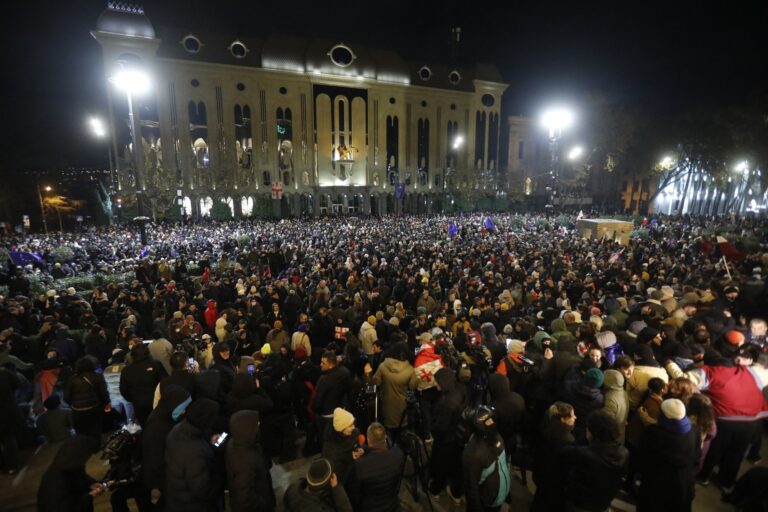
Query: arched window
{"points": [[198, 134], [423, 151], [480, 138], [246, 206], [206, 203], [243, 136], [266, 178]]}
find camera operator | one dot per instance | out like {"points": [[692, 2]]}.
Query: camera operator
{"points": [[123, 451], [374, 479]]}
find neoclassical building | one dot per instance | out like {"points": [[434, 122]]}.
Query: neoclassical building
{"points": [[330, 126]]}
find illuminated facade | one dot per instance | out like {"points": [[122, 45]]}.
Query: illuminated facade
{"points": [[330, 126]]}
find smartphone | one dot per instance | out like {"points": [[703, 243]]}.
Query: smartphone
{"points": [[222, 437], [251, 369], [191, 367]]}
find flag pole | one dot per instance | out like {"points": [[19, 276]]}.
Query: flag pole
{"points": [[725, 262]]}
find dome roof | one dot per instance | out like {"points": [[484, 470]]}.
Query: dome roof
{"points": [[125, 19]]}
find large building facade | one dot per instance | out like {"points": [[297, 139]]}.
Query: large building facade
{"points": [[326, 126]]}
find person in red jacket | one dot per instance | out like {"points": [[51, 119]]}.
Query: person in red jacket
{"points": [[211, 314], [737, 397]]}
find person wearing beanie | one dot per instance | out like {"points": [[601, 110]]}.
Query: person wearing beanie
{"points": [[740, 406], [368, 335], [319, 491], [192, 482], [248, 478], [55, 424], [669, 454], [340, 441], [585, 396], [734, 338]]}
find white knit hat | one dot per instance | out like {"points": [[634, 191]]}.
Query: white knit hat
{"points": [[673, 409]]}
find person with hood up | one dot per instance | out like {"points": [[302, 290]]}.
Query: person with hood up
{"points": [[484, 463], [396, 376], [221, 326], [646, 368], [368, 335], [65, 485], [222, 363], [670, 453], [169, 411], [548, 473], [211, 314], [509, 406], [138, 381], [497, 348], [87, 395], [191, 480], [247, 394], [320, 491], [616, 400], [248, 477], [595, 472], [445, 461]]}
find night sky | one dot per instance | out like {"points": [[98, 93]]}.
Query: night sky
{"points": [[659, 57]]}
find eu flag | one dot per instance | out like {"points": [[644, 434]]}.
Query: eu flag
{"points": [[488, 224], [452, 229]]}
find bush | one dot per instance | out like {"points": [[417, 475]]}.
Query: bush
{"points": [[173, 213], [543, 224], [63, 253], [642, 234], [243, 241], [563, 220], [220, 211]]}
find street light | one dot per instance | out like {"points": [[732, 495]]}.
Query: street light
{"points": [[99, 130], [575, 152], [133, 81], [47, 188], [555, 120], [458, 141]]}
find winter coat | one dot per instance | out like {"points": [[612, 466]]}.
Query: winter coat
{"points": [[486, 472], [10, 416], [299, 499], [331, 390], [638, 382], [548, 472], [584, 399], [395, 377], [85, 391], [367, 337], [616, 400], [65, 484], [301, 339], [248, 478], [191, 481], [161, 351], [446, 413], [221, 331], [373, 483], [211, 314], [509, 406], [138, 381], [668, 461], [594, 474], [337, 448], [246, 396], [160, 422]]}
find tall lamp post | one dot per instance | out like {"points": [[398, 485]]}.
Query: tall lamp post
{"points": [[133, 81], [555, 120], [100, 132], [42, 206]]}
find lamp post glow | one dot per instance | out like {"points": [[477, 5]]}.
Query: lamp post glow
{"points": [[47, 188], [575, 153], [132, 81], [555, 120], [100, 132]]}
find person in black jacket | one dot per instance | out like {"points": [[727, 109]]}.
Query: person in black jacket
{"points": [[180, 374], [445, 462], [319, 491], [585, 396], [248, 477], [509, 406], [278, 424], [87, 395], [670, 452], [10, 419], [373, 482], [192, 483], [222, 363], [487, 479], [330, 392], [138, 381], [65, 485], [595, 472], [168, 412], [340, 440], [247, 394], [555, 435]]}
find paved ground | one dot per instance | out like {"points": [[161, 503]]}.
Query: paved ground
{"points": [[18, 493]]}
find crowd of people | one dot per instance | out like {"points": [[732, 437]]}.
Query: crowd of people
{"points": [[440, 351]]}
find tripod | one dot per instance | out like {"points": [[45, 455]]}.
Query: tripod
{"points": [[413, 446]]}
